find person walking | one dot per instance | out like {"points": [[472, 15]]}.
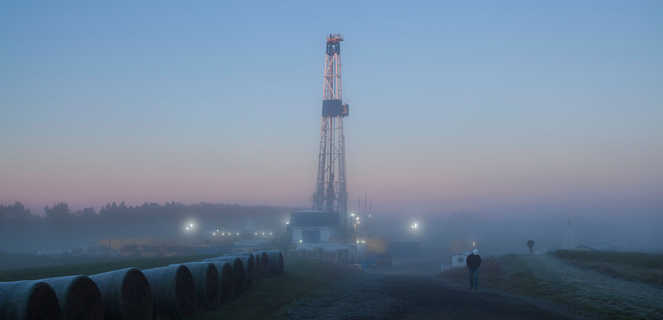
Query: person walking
{"points": [[473, 262]]}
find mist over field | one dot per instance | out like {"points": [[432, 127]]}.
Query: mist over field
{"points": [[60, 228]]}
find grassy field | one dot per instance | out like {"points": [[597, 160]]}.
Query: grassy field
{"points": [[602, 285], [632, 266], [92, 267]]}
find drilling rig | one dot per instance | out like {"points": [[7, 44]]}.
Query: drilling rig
{"points": [[331, 193]]}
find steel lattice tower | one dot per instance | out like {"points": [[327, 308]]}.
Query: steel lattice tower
{"points": [[331, 193]]}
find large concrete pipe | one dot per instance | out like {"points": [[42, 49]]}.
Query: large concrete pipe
{"points": [[258, 266], [226, 281], [28, 300], [126, 294], [78, 296], [239, 274], [173, 291], [263, 265], [206, 281], [275, 261], [250, 268]]}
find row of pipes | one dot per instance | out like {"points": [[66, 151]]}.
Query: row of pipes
{"points": [[177, 291]]}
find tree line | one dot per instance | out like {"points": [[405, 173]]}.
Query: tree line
{"points": [[60, 226]]}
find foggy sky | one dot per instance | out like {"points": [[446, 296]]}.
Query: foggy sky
{"points": [[505, 108]]}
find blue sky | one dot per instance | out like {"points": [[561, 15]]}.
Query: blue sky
{"points": [[453, 106]]}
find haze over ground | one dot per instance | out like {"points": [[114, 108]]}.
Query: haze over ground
{"points": [[517, 112]]}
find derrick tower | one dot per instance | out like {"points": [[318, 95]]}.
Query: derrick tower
{"points": [[331, 193]]}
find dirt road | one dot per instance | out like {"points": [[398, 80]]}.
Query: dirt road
{"points": [[407, 292]]}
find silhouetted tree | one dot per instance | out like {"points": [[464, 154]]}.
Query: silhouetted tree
{"points": [[58, 213], [14, 213]]}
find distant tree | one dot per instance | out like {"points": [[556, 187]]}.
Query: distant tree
{"points": [[58, 213], [14, 213], [86, 212], [530, 245]]}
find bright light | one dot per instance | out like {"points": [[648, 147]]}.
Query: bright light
{"points": [[189, 226], [301, 241], [223, 234], [287, 222], [414, 226], [358, 242], [352, 214], [237, 234], [474, 244], [357, 218], [263, 234]]}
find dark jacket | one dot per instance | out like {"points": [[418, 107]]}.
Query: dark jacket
{"points": [[473, 261]]}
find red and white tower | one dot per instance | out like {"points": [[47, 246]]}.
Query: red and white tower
{"points": [[331, 192]]}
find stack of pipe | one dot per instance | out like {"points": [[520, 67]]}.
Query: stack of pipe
{"points": [[226, 280], [206, 282], [126, 294], [239, 275], [173, 291], [250, 266], [275, 262], [263, 265]]}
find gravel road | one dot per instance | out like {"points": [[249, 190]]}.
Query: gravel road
{"points": [[398, 294]]}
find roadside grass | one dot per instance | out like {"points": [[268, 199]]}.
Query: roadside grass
{"points": [[510, 274], [632, 266], [270, 298], [93, 267]]}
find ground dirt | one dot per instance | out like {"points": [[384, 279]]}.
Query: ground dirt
{"points": [[410, 290]]}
